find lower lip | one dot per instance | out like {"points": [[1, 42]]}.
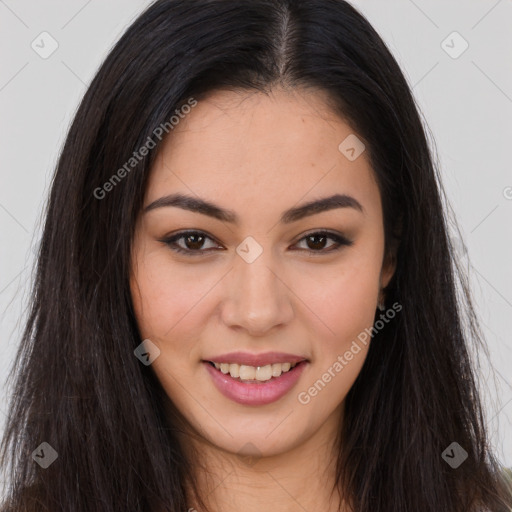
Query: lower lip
{"points": [[255, 393]]}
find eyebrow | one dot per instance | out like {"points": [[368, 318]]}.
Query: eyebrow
{"points": [[198, 205]]}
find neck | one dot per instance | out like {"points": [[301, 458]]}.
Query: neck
{"points": [[302, 478]]}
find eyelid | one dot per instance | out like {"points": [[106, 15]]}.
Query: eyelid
{"points": [[339, 239], [170, 240], [327, 232]]}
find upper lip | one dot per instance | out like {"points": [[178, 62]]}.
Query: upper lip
{"points": [[263, 359]]}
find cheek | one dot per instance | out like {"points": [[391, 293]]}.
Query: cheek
{"points": [[167, 303], [341, 303], [165, 297], [342, 314]]}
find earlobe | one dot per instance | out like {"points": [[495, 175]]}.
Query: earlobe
{"points": [[388, 270], [386, 274], [390, 258]]}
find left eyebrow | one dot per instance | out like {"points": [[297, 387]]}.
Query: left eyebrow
{"points": [[204, 207]]}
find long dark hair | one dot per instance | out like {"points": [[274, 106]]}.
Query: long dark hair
{"points": [[79, 386]]}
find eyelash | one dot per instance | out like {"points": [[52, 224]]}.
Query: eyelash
{"points": [[171, 242]]}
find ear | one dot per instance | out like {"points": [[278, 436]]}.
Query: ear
{"points": [[390, 259], [388, 269]]}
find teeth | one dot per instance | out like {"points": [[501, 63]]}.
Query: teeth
{"points": [[234, 370], [264, 372], [247, 372], [261, 373]]}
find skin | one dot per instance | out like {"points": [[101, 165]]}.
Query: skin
{"points": [[259, 155]]}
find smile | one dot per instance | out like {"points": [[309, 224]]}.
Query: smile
{"points": [[245, 373], [255, 385]]}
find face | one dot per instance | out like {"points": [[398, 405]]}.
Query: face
{"points": [[257, 303]]}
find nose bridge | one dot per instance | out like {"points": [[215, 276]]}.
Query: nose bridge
{"points": [[257, 298]]}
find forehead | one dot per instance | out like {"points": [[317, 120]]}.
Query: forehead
{"points": [[244, 146]]}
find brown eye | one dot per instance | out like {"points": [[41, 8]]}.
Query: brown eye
{"points": [[316, 242], [193, 243]]}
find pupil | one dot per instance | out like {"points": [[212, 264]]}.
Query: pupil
{"points": [[318, 245], [196, 244]]}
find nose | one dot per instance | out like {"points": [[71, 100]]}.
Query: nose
{"points": [[257, 298]]}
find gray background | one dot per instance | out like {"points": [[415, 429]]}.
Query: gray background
{"points": [[466, 101]]}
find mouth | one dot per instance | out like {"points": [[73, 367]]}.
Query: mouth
{"points": [[261, 384]]}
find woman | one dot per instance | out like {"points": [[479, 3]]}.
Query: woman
{"points": [[246, 295]]}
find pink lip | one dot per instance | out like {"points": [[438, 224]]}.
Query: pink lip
{"points": [[256, 359], [255, 393]]}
